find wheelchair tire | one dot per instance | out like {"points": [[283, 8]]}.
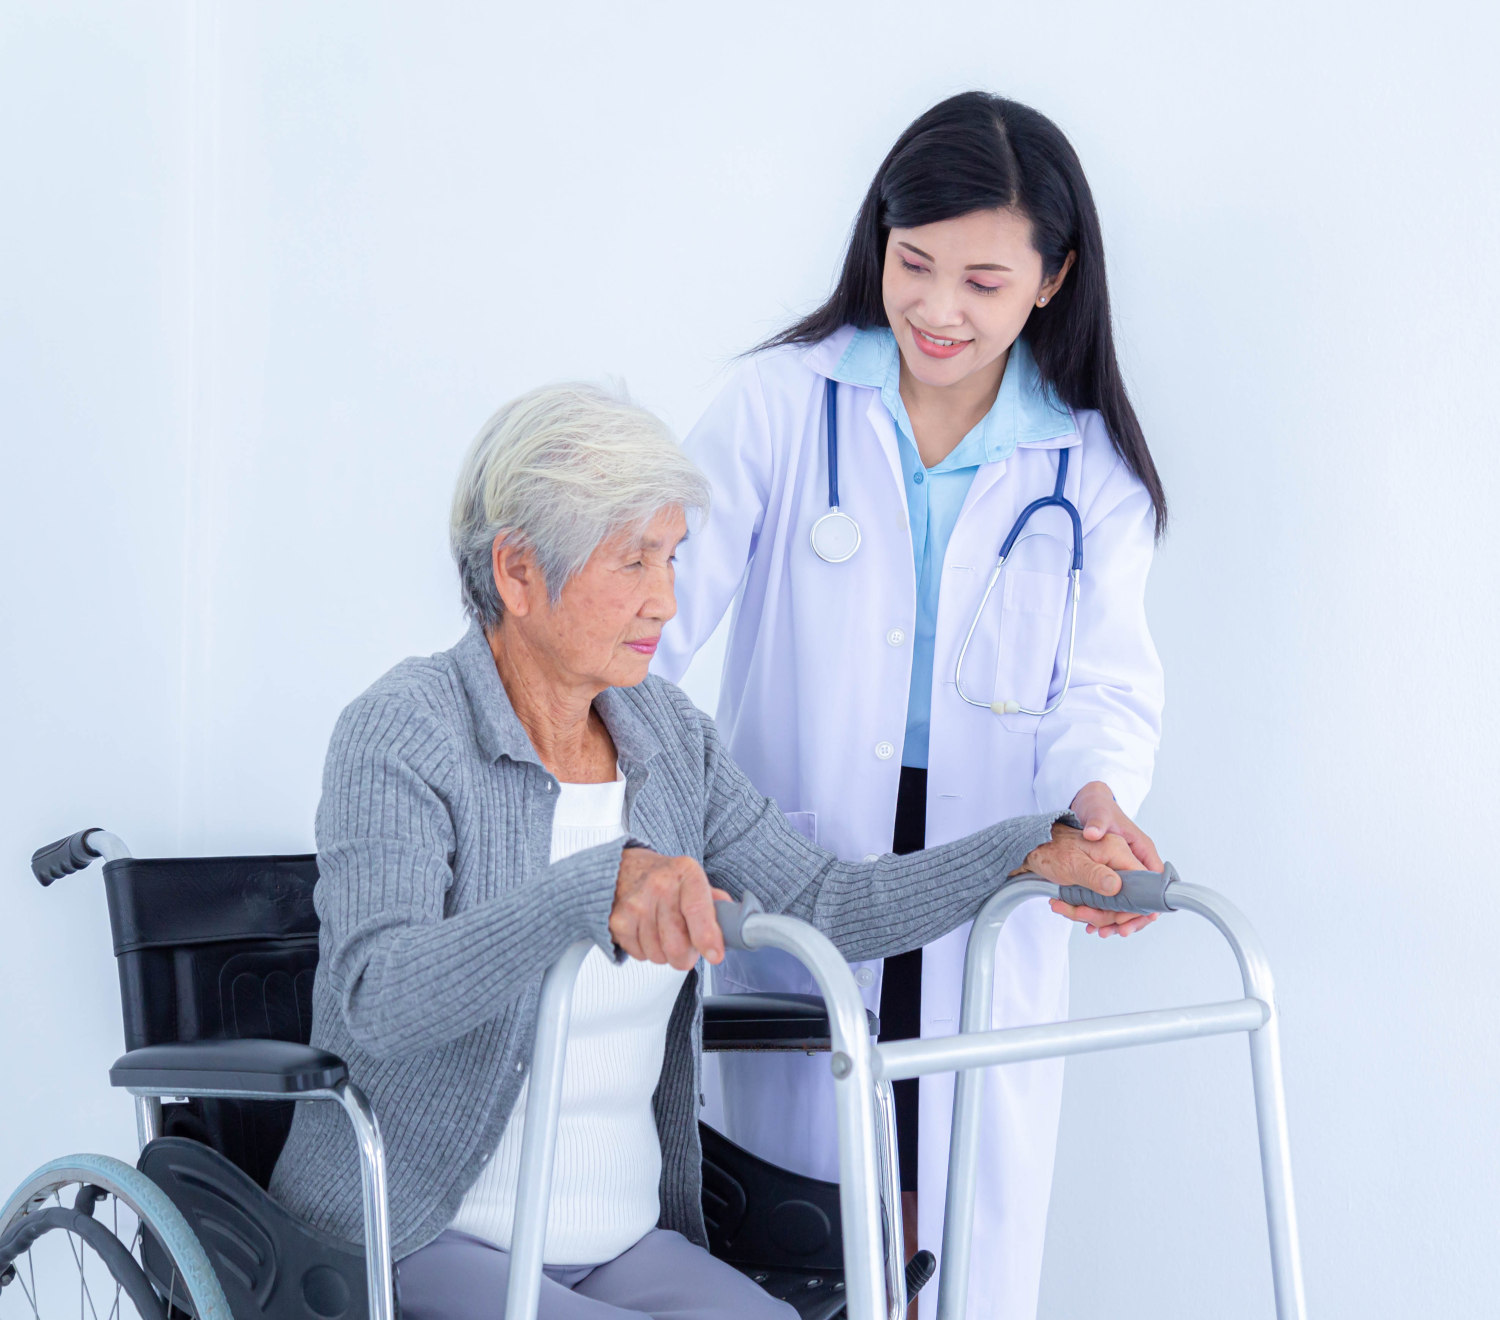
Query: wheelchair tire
{"points": [[61, 1204]]}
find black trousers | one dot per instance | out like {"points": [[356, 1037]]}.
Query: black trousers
{"points": [[901, 987]]}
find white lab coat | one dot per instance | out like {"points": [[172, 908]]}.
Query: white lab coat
{"points": [[813, 707]]}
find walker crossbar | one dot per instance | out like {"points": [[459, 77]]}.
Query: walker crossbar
{"points": [[983, 1049]]}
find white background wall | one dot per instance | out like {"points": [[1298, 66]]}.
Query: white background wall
{"points": [[264, 270]]}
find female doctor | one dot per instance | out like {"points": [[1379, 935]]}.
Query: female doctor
{"points": [[868, 466]]}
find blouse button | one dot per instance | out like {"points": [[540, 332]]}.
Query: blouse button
{"points": [[864, 977], [895, 637], [884, 750]]}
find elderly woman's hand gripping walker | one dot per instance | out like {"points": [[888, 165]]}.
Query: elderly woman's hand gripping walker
{"points": [[487, 807]]}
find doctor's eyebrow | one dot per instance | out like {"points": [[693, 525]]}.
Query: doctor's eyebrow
{"points": [[977, 265]]}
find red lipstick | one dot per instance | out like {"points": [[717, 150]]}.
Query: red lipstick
{"points": [[937, 347]]}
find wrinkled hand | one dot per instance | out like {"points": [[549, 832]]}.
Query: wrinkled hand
{"points": [[1071, 859], [664, 910]]}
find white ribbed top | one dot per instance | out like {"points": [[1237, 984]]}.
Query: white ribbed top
{"points": [[608, 1165]]}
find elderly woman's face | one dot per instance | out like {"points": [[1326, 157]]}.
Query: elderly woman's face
{"points": [[604, 629]]}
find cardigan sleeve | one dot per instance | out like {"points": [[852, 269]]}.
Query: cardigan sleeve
{"points": [[868, 909], [407, 974]]}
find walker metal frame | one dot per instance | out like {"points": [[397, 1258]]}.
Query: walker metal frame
{"points": [[864, 1069]]}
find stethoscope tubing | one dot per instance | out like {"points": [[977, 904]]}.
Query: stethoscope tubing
{"points": [[1055, 500], [833, 443]]}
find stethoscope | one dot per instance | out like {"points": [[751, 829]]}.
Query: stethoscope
{"points": [[836, 536]]}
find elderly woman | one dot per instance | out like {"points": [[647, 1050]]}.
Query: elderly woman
{"points": [[488, 806]]}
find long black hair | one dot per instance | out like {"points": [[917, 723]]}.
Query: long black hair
{"points": [[976, 152]]}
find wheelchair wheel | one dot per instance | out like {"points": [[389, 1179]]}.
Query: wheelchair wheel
{"points": [[74, 1241]]}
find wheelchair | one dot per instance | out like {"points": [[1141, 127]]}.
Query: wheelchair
{"points": [[216, 959]]}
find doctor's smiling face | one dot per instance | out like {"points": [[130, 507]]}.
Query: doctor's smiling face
{"points": [[957, 294]]}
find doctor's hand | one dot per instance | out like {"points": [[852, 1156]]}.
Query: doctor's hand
{"points": [[664, 910], [1096, 808], [1073, 859]]}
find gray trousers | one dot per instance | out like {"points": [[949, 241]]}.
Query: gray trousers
{"points": [[662, 1277]]}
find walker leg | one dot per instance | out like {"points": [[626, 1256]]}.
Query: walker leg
{"points": [[1276, 1170], [890, 1194]]}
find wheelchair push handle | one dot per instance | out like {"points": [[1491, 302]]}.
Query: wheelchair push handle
{"points": [[1140, 891], [75, 852], [63, 857]]}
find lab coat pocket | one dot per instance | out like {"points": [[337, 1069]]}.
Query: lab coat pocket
{"points": [[1031, 621]]}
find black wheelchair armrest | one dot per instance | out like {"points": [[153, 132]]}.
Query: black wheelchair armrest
{"points": [[230, 1068], [769, 1022]]}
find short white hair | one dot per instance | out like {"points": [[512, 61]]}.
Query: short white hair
{"points": [[558, 471]]}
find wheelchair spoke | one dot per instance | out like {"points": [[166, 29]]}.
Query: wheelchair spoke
{"points": [[115, 1228], [29, 1291]]}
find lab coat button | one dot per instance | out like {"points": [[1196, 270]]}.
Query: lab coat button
{"points": [[884, 751], [895, 637], [864, 977]]}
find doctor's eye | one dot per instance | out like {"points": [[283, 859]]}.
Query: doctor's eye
{"points": [[984, 288], [906, 265]]}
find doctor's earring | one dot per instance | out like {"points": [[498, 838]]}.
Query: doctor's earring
{"points": [[1042, 301]]}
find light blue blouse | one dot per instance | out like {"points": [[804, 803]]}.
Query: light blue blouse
{"points": [[1024, 411]]}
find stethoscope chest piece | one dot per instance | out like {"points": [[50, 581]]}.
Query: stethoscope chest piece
{"points": [[835, 537]]}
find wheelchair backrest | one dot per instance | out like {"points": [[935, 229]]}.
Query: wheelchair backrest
{"points": [[217, 948]]}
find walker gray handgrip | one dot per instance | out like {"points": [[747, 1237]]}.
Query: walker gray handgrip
{"points": [[732, 919], [1140, 891]]}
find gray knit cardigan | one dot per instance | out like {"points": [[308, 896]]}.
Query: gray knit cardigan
{"points": [[441, 911]]}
